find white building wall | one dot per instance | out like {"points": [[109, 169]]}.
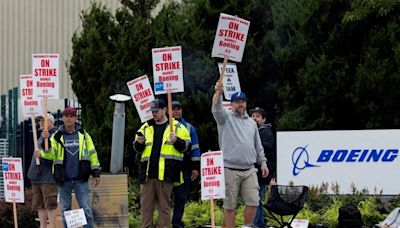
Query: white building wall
{"points": [[39, 26]]}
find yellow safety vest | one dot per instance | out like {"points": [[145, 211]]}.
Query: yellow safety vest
{"points": [[171, 160]]}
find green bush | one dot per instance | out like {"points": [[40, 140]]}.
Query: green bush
{"points": [[369, 211], [198, 214], [134, 219], [331, 215]]}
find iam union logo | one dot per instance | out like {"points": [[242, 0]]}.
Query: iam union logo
{"points": [[300, 160]]}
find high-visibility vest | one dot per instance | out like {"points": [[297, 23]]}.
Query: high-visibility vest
{"points": [[170, 164], [87, 150]]}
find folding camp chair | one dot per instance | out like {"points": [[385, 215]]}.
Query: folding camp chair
{"points": [[286, 200]]}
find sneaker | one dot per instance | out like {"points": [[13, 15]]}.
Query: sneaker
{"points": [[249, 226]]}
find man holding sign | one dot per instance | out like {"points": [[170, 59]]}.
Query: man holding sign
{"points": [[161, 153], [241, 145], [44, 188], [75, 160]]}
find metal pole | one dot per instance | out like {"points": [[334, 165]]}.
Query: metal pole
{"points": [[117, 147]]}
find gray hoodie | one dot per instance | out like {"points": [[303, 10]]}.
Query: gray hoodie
{"points": [[238, 138]]}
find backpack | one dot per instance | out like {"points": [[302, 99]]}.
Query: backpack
{"points": [[350, 216]]}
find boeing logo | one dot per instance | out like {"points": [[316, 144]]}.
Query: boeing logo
{"points": [[301, 158]]}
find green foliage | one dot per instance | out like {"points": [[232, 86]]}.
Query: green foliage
{"points": [[369, 211], [338, 63], [312, 216], [134, 219], [331, 215], [198, 214], [134, 195], [394, 202]]}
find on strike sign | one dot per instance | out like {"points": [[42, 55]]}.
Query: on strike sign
{"points": [[212, 175], [13, 180], [231, 80], [167, 70], [142, 96], [230, 38], [30, 106], [45, 75]]}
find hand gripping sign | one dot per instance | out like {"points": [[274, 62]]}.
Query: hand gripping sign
{"points": [[167, 70], [142, 96], [231, 80], [230, 38]]}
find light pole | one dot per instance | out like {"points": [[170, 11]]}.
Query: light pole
{"points": [[118, 134]]}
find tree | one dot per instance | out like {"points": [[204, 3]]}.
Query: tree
{"points": [[338, 64], [118, 48]]}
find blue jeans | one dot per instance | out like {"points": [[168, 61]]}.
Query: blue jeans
{"points": [[180, 197], [81, 189], [259, 220]]}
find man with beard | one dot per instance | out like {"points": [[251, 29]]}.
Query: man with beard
{"points": [[240, 142], [161, 153]]}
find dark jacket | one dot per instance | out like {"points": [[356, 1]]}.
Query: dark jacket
{"points": [[268, 142], [42, 174]]}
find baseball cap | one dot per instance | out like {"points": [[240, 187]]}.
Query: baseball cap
{"points": [[49, 117], [70, 110], [176, 104], [259, 110], [238, 96], [157, 104]]}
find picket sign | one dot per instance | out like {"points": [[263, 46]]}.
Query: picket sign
{"points": [[168, 74], [142, 96], [13, 183], [230, 80], [167, 70], [212, 179], [30, 106], [230, 37], [45, 82], [75, 218], [230, 41]]}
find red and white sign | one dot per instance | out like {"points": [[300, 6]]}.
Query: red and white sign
{"points": [[231, 80], [30, 106], [13, 180], [142, 96], [230, 38], [212, 175], [45, 75], [167, 70]]}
